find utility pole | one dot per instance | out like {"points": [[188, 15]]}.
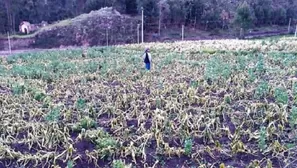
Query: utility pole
{"points": [[289, 27], [9, 45], [142, 26], [138, 33], [160, 20]]}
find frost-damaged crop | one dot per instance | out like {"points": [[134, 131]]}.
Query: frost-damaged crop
{"points": [[204, 104]]}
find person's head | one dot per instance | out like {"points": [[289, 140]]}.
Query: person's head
{"points": [[147, 50]]}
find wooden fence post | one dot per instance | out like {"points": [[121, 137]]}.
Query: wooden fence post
{"points": [[183, 32], [138, 33], [107, 37], [289, 27], [296, 31]]}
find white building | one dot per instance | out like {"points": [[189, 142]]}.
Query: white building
{"points": [[25, 27]]}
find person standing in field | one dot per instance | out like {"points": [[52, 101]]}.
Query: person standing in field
{"points": [[147, 59]]}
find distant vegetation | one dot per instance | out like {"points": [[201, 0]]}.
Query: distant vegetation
{"points": [[213, 14]]}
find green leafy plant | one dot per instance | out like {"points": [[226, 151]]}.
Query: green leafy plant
{"points": [[81, 103], [91, 67], [70, 164], [107, 146], [242, 62], [168, 60], [118, 164], [216, 68], [262, 90], [3, 70], [55, 66], [281, 95], [158, 103], [260, 67], [106, 142], [18, 89], [293, 117], [252, 76], [104, 67], [39, 96], [227, 99], [290, 145], [194, 84], [188, 146], [262, 139], [295, 93], [47, 101], [11, 60], [53, 115], [87, 123]]}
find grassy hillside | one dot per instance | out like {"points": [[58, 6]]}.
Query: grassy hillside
{"points": [[208, 103]]}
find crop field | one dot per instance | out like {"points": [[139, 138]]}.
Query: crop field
{"points": [[224, 103]]}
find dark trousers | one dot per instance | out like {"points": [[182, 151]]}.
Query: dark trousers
{"points": [[148, 66]]}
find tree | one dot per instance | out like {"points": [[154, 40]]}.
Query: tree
{"points": [[164, 10], [244, 16], [3, 18], [211, 15], [80, 5], [177, 11], [8, 14], [291, 9], [150, 8], [131, 7], [279, 15], [119, 5], [225, 18], [263, 11], [193, 10]]}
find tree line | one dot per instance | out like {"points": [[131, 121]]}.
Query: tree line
{"points": [[213, 13]]}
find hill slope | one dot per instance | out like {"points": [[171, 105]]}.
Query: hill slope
{"points": [[96, 28]]}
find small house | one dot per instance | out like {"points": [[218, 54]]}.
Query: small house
{"points": [[25, 27]]}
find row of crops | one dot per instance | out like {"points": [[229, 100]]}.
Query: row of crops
{"points": [[204, 104]]}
